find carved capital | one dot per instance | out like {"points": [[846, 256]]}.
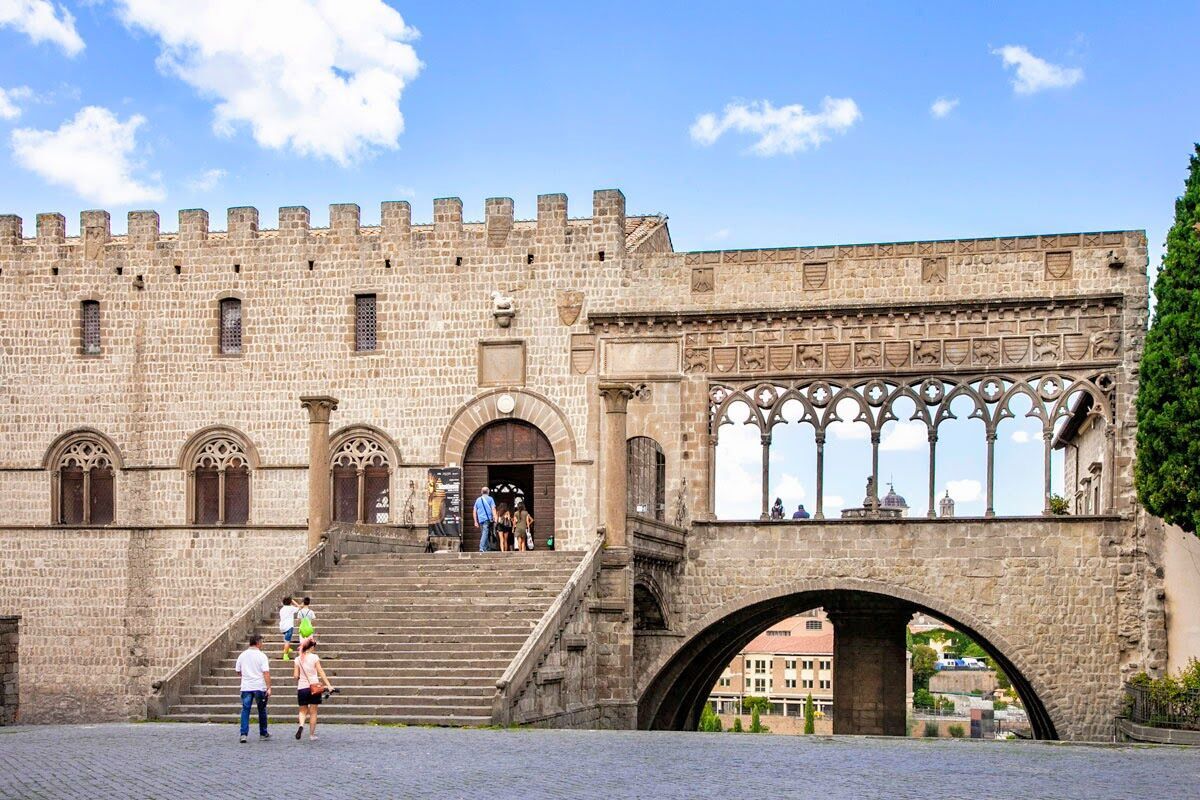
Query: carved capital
{"points": [[616, 397], [319, 408]]}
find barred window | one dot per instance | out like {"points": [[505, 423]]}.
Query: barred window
{"points": [[231, 325], [84, 472], [813, 625], [361, 477], [365, 323], [90, 327], [221, 483]]}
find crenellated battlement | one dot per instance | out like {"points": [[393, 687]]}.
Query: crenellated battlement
{"points": [[605, 229]]}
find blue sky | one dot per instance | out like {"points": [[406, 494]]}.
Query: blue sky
{"points": [[1058, 117]]}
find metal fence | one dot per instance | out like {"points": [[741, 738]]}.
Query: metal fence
{"points": [[1163, 709]]}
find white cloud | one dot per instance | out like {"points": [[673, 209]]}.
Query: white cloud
{"points": [[8, 101], [207, 181], [1021, 437], [965, 491], [319, 77], [788, 129], [42, 21], [405, 191], [943, 106], [719, 235], [791, 490], [92, 154], [833, 501], [854, 431], [1035, 74], [907, 435]]}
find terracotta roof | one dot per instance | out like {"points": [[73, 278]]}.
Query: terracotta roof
{"points": [[639, 229], [817, 643]]}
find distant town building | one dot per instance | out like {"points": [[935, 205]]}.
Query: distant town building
{"points": [[946, 506], [785, 663], [894, 501]]}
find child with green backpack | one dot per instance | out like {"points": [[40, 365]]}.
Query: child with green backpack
{"points": [[306, 617]]}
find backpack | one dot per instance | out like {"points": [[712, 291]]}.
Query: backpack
{"points": [[306, 627]]}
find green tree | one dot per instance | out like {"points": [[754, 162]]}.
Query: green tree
{"points": [[737, 725], [1167, 471], [810, 715], [709, 721], [924, 664], [923, 699], [760, 704], [756, 725]]}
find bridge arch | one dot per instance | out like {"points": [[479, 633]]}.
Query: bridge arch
{"points": [[681, 680]]}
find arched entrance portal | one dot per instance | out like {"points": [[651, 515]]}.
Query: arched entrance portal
{"points": [[513, 459], [680, 688]]}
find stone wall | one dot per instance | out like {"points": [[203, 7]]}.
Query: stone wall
{"points": [[9, 670], [106, 612], [1064, 629]]}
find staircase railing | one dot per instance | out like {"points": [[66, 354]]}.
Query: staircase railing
{"points": [[545, 633]]}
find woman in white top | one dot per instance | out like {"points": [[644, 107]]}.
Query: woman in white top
{"points": [[308, 671]]}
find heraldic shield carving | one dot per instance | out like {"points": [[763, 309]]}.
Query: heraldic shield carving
{"points": [[570, 303]]}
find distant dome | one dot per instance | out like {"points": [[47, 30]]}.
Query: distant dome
{"points": [[893, 500]]}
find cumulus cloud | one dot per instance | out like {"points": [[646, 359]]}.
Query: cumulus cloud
{"points": [[318, 77], [1034, 74], [834, 502], [943, 106], [42, 21], [207, 181], [1021, 437], [908, 435], [8, 101], [792, 491], [965, 491], [738, 473], [787, 129], [92, 154]]}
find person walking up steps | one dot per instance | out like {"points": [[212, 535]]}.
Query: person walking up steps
{"points": [[255, 669], [287, 625], [485, 518], [311, 685]]}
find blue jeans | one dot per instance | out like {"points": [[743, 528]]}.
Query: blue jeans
{"points": [[485, 535], [259, 698]]}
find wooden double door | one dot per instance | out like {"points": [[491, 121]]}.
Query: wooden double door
{"points": [[514, 460]]}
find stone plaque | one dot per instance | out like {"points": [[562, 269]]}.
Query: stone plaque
{"points": [[702, 280], [1058, 265], [816, 275], [583, 352], [933, 270], [641, 357], [502, 363]]}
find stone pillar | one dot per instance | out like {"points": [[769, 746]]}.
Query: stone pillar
{"points": [[870, 666], [320, 490], [616, 402]]}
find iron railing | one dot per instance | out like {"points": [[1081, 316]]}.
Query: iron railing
{"points": [[1178, 709]]}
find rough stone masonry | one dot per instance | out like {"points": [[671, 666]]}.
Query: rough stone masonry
{"points": [[117, 354]]}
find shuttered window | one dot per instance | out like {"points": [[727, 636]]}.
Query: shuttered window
{"points": [[365, 323], [89, 324]]}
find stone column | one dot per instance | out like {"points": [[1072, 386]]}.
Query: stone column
{"points": [[870, 666], [616, 402], [320, 512]]}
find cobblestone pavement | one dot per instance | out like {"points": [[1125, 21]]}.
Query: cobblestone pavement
{"points": [[181, 762]]}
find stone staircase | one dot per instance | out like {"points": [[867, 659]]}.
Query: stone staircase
{"points": [[408, 638]]}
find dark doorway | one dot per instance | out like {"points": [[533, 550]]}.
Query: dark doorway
{"points": [[514, 459]]}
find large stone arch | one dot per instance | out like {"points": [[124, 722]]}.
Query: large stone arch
{"points": [[528, 406], [673, 689]]}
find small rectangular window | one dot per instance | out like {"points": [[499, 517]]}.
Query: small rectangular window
{"points": [[231, 326], [813, 625], [365, 323], [90, 327]]}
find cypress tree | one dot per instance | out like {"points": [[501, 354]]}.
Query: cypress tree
{"points": [[810, 715], [1168, 403]]}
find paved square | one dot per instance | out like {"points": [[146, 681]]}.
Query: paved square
{"points": [[184, 761]]}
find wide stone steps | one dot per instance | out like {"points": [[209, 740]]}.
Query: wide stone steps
{"points": [[415, 639]]}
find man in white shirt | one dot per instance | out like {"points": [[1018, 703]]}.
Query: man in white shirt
{"points": [[255, 670]]}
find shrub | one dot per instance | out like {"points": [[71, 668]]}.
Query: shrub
{"points": [[956, 731], [810, 716], [737, 725], [923, 699], [709, 721], [930, 731], [1059, 505], [1000, 705], [756, 725]]}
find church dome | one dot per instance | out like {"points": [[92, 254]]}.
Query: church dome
{"points": [[893, 500]]}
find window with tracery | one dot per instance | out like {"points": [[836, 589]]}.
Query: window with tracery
{"points": [[84, 475], [221, 483], [231, 326], [361, 481]]}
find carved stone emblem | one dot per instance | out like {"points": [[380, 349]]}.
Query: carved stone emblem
{"points": [[1046, 348], [702, 280], [810, 356], [583, 352], [752, 359], [816, 275], [724, 358], [570, 303], [933, 270], [1058, 265], [1016, 349], [1105, 344], [780, 358]]}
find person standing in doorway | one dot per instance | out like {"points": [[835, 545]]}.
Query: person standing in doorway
{"points": [[255, 669], [522, 525], [485, 518]]}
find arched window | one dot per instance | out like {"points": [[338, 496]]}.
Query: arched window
{"points": [[361, 480], [82, 474], [647, 478], [218, 463]]}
